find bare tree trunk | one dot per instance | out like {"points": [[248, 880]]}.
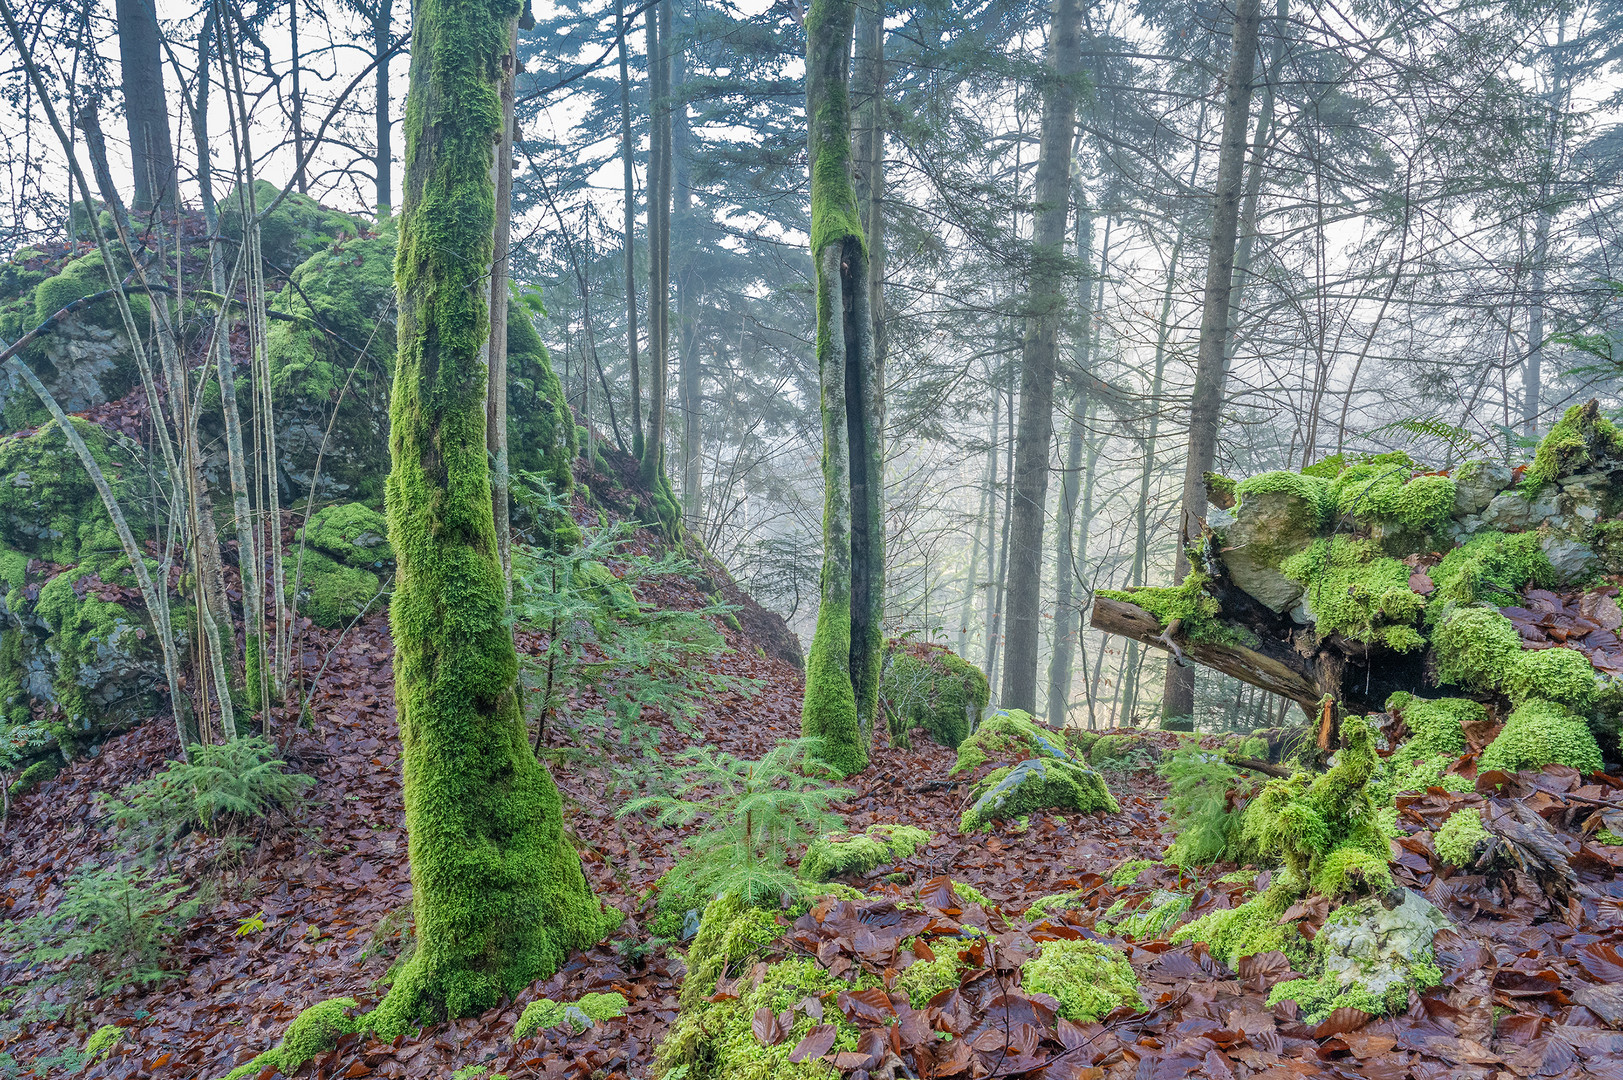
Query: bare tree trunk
{"points": [[1000, 575], [297, 99], [1044, 312], [1207, 400], [1532, 375], [990, 652], [146, 108], [628, 158], [983, 509], [383, 155]]}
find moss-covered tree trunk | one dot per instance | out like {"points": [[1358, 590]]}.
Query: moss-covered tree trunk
{"points": [[497, 891], [1039, 353], [842, 670]]}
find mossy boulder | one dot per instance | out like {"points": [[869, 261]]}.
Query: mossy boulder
{"points": [[352, 533], [1279, 514], [1369, 955], [1008, 735], [1353, 590], [298, 227], [546, 1014], [845, 854], [76, 640], [1036, 784], [341, 569], [314, 1031], [930, 687], [338, 351]]}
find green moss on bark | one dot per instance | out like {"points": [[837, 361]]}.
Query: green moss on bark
{"points": [[498, 893]]}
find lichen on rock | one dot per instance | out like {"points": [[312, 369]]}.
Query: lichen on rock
{"points": [[1369, 955]]}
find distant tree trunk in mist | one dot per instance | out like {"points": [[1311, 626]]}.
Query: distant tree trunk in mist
{"points": [[868, 152], [688, 289], [1533, 374], [842, 669], [1044, 312], [1067, 613], [1206, 402], [628, 159], [146, 107]]}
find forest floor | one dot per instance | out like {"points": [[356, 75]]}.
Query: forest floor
{"points": [[322, 884]]}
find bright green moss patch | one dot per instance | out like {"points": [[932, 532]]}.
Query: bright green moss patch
{"points": [[1089, 979], [924, 979], [1563, 676], [1435, 727], [1542, 733], [1475, 647], [1008, 735], [1401, 774], [844, 854], [1576, 441], [1384, 492], [313, 1032], [1049, 906], [545, 1014], [1491, 567], [930, 687], [1354, 590], [1461, 837], [1251, 928], [101, 1042], [1128, 872], [1151, 920], [351, 533], [329, 592]]}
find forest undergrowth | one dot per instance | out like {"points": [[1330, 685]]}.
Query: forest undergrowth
{"points": [[316, 906]]}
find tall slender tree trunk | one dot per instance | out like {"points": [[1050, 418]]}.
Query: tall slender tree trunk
{"points": [[497, 891], [383, 154], [496, 382], [1044, 312], [146, 107], [628, 159], [297, 98], [1206, 403], [1533, 370], [1000, 575], [1252, 198], [842, 669], [1067, 613], [982, 511], [689, 288]]}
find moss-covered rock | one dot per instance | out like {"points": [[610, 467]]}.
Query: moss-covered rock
{"points": [[844, 854], [1491, 567], [1564, 676], [930, 687], [298, 228], [1009, 735], [1150, 921], [545, 1014], [1089, 979], [1368, 956], [1475, 647], [1034, 785], [1279, 515], [329, 592], [1581, 439], [1542, 733], [352, 533], [1435, 726]]}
